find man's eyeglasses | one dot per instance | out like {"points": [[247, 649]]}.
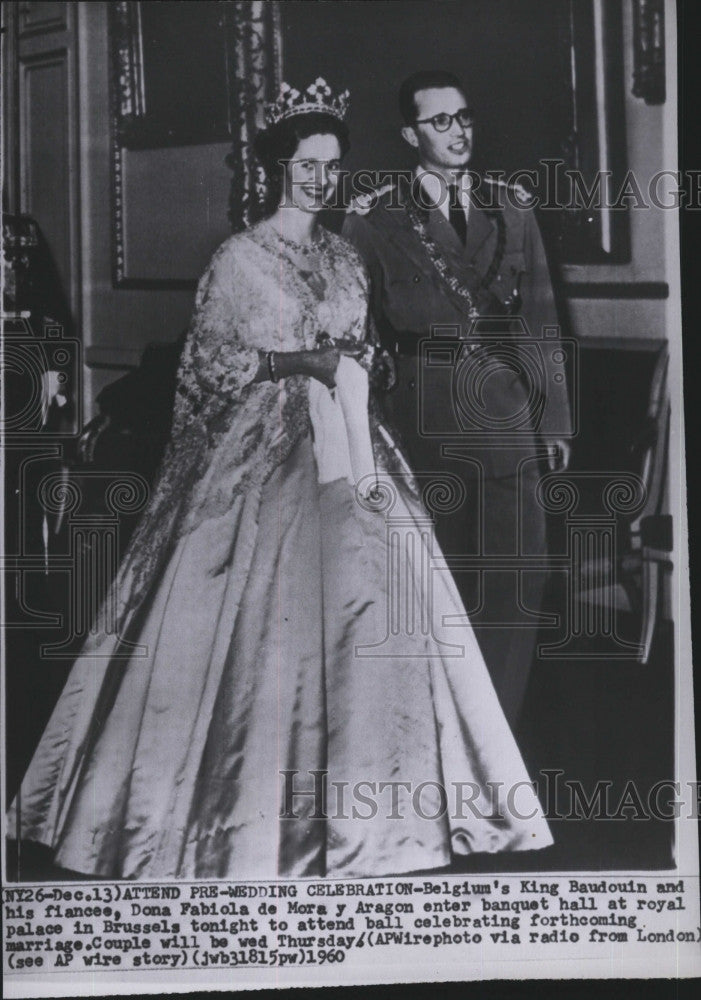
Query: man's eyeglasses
{"points": [[465, 117]]}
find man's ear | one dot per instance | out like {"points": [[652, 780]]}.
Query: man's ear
{"points": [[409, 135]]}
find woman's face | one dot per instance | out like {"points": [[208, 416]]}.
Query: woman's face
{"points": [[312, 173]]}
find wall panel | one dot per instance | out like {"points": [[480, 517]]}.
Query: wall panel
{"points": [[45, 155], [42, 17], [46, 183]]}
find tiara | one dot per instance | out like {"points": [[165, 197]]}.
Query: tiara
{"points": [[317, 97]]}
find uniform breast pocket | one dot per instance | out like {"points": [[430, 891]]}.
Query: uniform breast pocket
{"points": [[507, 283], [513, 263], [406, 276], [410, 300]]}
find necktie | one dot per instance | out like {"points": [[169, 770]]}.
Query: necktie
{"points": [[457, 214]]}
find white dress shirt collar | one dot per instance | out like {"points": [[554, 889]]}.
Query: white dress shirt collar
{"points": [[434, 188]]}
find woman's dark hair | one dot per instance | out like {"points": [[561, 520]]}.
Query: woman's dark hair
{"points": [[278, 143]]}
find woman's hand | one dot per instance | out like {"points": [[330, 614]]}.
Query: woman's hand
{"points": [[351, 348], [323, 361], [320, 363]]}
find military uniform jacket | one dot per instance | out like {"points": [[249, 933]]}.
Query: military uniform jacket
{"points": [[515, 400]]}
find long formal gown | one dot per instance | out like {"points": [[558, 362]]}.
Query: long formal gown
{"points": [[273, 632]]}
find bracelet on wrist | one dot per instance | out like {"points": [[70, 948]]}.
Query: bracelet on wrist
{"points": [[272, 369]]}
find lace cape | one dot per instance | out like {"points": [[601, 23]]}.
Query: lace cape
{"points": [[230, 433]]}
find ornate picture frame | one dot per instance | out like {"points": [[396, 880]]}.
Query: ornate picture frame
{"points": [[171, 70], [194, 77]]}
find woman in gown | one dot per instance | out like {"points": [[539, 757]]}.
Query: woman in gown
{"points": [[257, 655]]}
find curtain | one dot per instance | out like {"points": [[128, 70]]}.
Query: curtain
{"points": [[255, 67]]}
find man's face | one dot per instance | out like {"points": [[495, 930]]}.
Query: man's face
{"points": [[447, 150]]}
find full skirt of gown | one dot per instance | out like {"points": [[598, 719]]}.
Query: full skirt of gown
{"points": [[297, 641]]}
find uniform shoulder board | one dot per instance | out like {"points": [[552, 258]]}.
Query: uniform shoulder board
{"points": [[361, 204], [518, 192]]}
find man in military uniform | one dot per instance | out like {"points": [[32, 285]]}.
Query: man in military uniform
{"points": [[478, 396]]}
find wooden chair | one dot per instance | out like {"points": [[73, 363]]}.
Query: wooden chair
{"points": [[646, 543]]}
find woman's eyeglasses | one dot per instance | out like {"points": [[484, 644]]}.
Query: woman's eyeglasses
{"points": [[465, 117]]}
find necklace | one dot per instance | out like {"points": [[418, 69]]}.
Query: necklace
{"points": [[316, 245], [306, 258]]}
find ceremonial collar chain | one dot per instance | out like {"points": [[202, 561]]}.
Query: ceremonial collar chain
{"points": [[437, 258], [418, 218]]}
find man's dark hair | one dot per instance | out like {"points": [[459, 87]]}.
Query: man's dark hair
{"points": [[423, 80]]}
